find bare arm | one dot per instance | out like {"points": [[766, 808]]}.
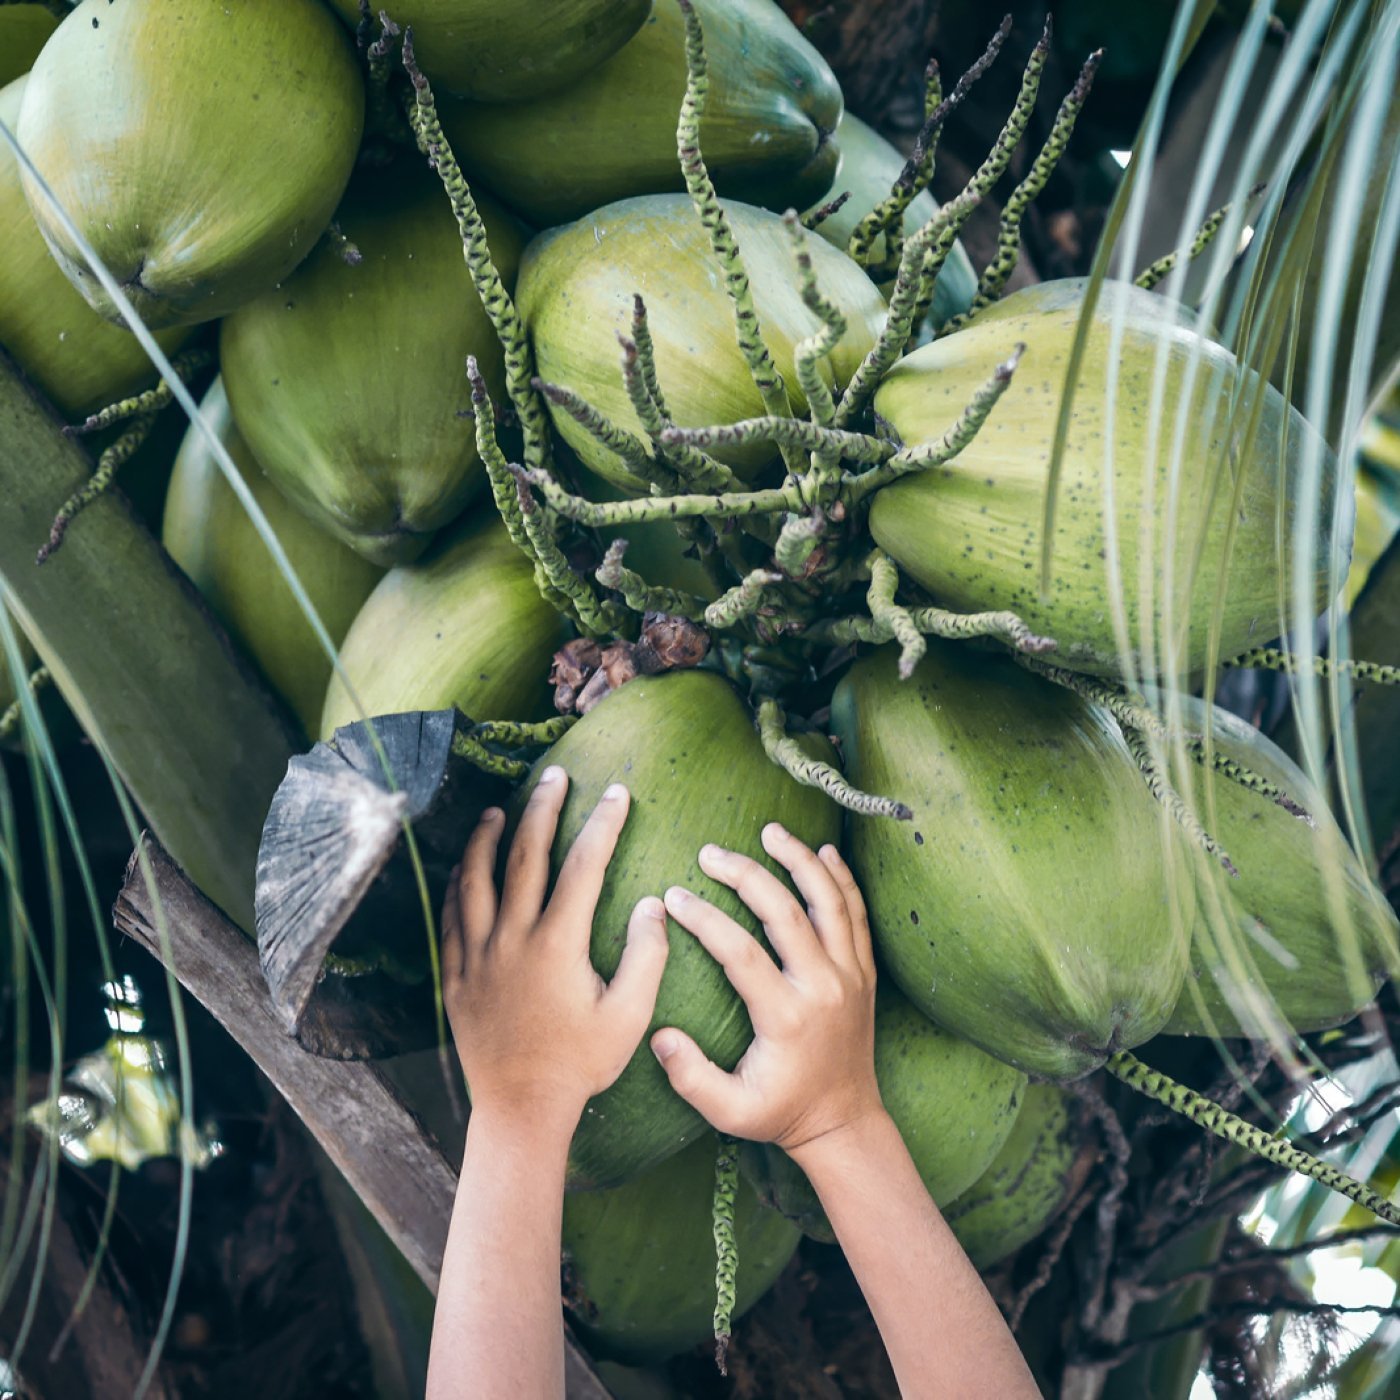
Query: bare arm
{"points": [[538, 1034], [807, 1083]]}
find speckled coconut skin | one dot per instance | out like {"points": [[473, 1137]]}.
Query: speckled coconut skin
{"points": [[971, 531], [1038, 904], [954, 1107]]}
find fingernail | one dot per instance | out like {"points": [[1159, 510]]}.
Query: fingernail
{"points": [[492, 814], [775, 831], [652, 908], [552, 774], [664, 1045], [713, 852], [676, 897], [615, 793]]}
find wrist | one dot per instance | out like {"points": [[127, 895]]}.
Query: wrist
{"points": [[871, 1132], [535, 1122]]}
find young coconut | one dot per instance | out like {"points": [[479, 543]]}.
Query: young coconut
{"points": [[490, 52], [869, 167], [953, 1105], [1301, 940], [465, 625], [347, 380], [212, 538], [1208, 519], [200, 149], [1041, 1165], [639, 1259], [78, 360], [685, 745], [1038, 903], [577, 284], [766, 132], [24, 30]]}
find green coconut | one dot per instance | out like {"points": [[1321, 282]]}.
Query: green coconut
{"points": [[465, 625], [953, 1105], [576, 289], [1039, 903], [212, 538], [24, 30], [78, 360], [766, 132], [1301, 939], [639, 1259], [348, 381], [200, 149], [1203, 543], [493, 52], [869, 168], [685, 745], [1029, 1182]]}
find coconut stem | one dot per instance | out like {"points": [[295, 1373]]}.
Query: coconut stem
{"points": [[628, 449], [641, 596], [516, 734], [767, 380], [108, 464], [1272, 659], [809, 352], [1211, 1116], [799, 765], [495, 300], [1008, 250], [943, 449], [609, 513], [10, 717], [385, 114], [1153, 273], [888, 215], [506, 492], [1247, 778], [818, 216], [884, 582], [1159, 784], [476, 753], [741, 601], [923, 258], [726, 1248], [794, 432], [151, 401]]}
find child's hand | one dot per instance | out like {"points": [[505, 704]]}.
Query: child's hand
{"points": [[537, 1030], [810, 1071]]}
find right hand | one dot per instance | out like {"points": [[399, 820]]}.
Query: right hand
{"points": [[809, 1074]]}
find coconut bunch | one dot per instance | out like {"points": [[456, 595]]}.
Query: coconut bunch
{"points": [[589, 372]]}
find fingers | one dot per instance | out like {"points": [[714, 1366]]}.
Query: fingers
{"points": [[826, 904], [527, 866], [476, 880], [720, 1098], [631, 995], [750, 970], [785, 921], [580, 880], [855, 907]]}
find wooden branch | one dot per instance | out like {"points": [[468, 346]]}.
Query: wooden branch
{"points": [[138, 657], [392, 1162]]}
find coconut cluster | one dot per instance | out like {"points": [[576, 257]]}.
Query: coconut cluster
{"points": [[588, 357]]}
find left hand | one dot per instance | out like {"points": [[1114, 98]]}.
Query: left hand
{"points": [[537, 1030]]}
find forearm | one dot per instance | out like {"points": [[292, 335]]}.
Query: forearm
{"points": [[497, 1330], [943, 1332]]}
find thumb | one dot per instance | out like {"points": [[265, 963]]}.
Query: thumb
{"points": [[697, 1079]]}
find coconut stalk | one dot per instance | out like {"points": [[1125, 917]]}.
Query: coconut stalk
{"points": [[147, 670]]}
